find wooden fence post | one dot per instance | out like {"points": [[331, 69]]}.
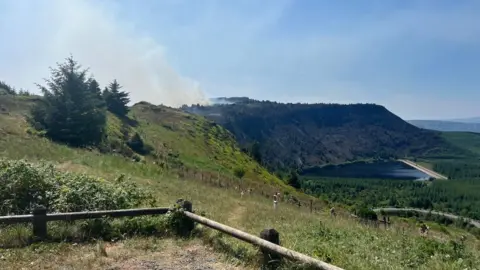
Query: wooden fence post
{"points": [[311, 206], [40, 223], [187, 224], [270, 259]]}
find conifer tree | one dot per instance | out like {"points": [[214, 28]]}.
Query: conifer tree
{"points": [[115, 99], [293, 180], [94, 88], [70, 110]]}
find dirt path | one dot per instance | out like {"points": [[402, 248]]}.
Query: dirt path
{"points": [[236, 215], [192, 257], [134, 254]]}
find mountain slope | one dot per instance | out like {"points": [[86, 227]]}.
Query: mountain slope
{"points": [[446, 125], [180, 142], [313, 134], [468, 141]]}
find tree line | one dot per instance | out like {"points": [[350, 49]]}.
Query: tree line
{"points": [[457, 169], [459, 196], [6, 89], [73, 109]]}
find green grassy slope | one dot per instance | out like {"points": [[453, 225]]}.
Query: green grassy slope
{"points": [[342, 240], [468, 141], [199, 143], [181, 142]]}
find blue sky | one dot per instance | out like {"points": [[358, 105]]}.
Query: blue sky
{"points": [[420, 59]]}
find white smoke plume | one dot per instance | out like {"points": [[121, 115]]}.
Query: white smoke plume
{"points": [[38, 34]]}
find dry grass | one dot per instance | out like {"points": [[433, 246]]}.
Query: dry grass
{"points": [[139, 254]]}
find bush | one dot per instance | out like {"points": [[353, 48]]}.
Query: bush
{"points": [[23, 186], [138, 146], [239, 172], [367, 213]]}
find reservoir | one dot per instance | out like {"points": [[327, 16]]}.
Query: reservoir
{"points": [[377, 169]]}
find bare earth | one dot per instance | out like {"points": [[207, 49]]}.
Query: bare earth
{"points": [[194, 257], [161, 254]]}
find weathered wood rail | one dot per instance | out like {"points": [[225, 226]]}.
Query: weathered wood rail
{"points": [[277, 249], [40, 217]]}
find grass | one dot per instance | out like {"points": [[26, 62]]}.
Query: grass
{"points": [[469, 141], [341, 241]]}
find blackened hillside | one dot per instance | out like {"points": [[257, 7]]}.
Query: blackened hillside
{"points": [[312, 134]]}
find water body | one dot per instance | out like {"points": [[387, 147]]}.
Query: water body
{"points": [[380, 169]]}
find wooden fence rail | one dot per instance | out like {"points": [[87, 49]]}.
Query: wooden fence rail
{"points": [[275, 248], [82, 215], [39, 219]]}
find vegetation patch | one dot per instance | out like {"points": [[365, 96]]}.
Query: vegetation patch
{"points": [[25, 186]]}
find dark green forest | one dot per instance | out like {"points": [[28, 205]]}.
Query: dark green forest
{"points": [[458, 169], [459, 196]]}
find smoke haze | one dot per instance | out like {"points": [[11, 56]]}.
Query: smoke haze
{"points": [[38, 34]]}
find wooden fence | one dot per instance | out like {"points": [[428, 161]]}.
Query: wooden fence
{"points": [[268, 241]]}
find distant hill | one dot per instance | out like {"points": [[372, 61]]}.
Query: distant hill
{"points": [[467, 120], [440, 125], [292, 135]]}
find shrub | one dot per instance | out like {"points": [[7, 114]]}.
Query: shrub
{"points": [[23, 186], [239, 172], [366, 213], [137, 145]]}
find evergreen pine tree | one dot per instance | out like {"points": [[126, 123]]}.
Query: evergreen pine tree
{"points": [[255, 152], [293, 180], [70, 110], [115, 99], [94, 88]]}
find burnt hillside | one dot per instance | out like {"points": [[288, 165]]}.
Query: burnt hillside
{"points": [[313, 134]]}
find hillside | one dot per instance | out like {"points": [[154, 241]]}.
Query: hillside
{"points": [[180, 142], [468, 141], [183, 140], [446, 125], [313, 134]]}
